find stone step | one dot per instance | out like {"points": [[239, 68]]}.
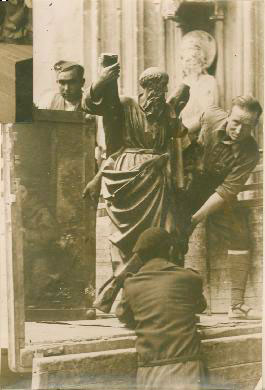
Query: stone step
{"points": [[116, 369]]}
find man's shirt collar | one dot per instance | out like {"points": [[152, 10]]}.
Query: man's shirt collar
{"points": [[157, 264], [224, 138]]}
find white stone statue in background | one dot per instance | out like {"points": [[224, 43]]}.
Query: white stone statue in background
{"points": [[197, 53]]}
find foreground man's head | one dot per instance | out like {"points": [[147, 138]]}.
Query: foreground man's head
{"points": [[243, 117], [156, 242]]}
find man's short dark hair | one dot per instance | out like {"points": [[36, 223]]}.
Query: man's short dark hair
{"points": [[248, 103], [153, 242]]}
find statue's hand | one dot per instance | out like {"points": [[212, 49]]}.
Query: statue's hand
{"points": [[109, 73], [92, 190], [184, 236]]}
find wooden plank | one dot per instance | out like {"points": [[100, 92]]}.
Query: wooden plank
{"points": [[3, 249], [58, 314], [72, 165], [75, 147], [15, 276], [69, 348], [220, 67], [248, 47], [89, 212], [15, 53], [58, 116]]}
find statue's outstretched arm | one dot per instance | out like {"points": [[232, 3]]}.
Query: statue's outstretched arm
{"points": [[96, 100]]}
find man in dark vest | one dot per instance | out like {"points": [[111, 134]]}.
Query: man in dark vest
{"points": [[160, 302]]}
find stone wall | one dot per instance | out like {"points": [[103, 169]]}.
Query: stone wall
{"points": [[103, 265]]}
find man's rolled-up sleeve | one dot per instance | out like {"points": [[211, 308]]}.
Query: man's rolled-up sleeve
{"points": [[234, 182]]}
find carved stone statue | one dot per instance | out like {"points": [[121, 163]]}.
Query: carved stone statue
{"points": [[136, 178], [198, 51], [16, 21]]}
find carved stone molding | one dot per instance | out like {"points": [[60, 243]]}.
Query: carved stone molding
{"points": [[16, 21], [190, 14]]}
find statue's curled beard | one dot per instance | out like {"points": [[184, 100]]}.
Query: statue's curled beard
{"points": [[153, 105]]}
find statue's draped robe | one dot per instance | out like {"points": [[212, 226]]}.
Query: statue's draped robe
{"points": [[136, 182]]}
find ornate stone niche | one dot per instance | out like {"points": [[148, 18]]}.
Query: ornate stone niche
{"points": [[190, 15], [16, 22]]}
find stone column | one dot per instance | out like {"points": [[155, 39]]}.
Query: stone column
{"points": [[58, 35], [220, 65], [248, 47], [3, 248]]}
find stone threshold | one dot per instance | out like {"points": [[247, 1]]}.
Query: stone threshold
{"points": [[47, 339]]}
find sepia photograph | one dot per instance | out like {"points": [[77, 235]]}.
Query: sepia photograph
{"points": [[131, 194]]}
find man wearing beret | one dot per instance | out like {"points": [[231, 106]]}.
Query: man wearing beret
{"points": [[70, 80], [160, 302]]}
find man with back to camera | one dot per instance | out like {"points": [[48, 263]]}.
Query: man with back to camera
{"points": [[161, 301], [229, 154], [70, 80]]}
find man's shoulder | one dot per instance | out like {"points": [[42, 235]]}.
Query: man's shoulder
{"points": [[160, 265], [48, 99]]}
